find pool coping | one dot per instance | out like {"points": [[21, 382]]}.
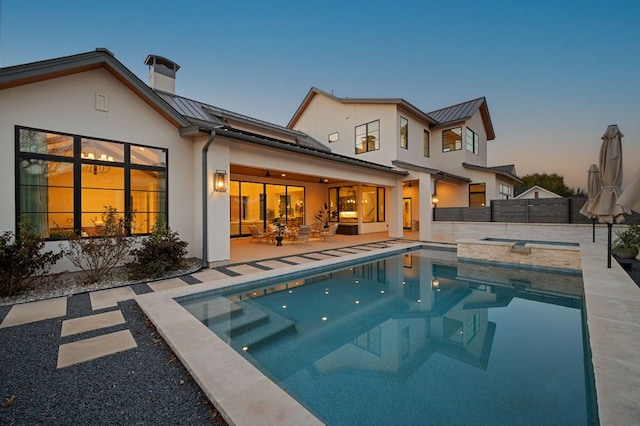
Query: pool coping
{"points": [[244, 396]]}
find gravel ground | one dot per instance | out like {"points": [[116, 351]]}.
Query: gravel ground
{"points": [[146, 385]]}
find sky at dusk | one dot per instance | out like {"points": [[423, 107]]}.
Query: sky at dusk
{"points": [[554, 73]]}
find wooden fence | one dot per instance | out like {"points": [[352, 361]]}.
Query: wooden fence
{"points": [[542, 210]]}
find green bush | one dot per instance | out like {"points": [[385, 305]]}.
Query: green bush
{"points": [[22, 261], [161, 252], [97, 256]]}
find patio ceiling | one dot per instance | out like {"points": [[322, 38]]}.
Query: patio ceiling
{"points": [[280, 174]]}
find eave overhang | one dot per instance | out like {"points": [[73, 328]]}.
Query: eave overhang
{"points": [[438, 175]]}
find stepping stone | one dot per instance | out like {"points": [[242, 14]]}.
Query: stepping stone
{"points": [[210, 275], [273, 264], [95, 347], [167, 284], [244, 269], [318, 256], [91, 322], [35, 311], [299, 260], [109, 298]]}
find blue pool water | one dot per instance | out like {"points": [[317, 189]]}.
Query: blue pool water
{"points": [[417, 338]]}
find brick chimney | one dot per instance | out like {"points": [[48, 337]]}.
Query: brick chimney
{"points": [[162, 73]]}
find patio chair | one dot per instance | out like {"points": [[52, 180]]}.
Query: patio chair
{"points": [[302, 235], [256, 234], [316, 228], [330, 233]]}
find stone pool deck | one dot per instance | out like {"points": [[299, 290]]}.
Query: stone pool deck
{"points": [[612, 304]]}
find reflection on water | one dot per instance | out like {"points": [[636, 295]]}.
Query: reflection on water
{"points": [[416, 338]]}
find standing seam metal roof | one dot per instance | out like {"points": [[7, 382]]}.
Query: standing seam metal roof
{"points": [[217, 116], [456, 112]]}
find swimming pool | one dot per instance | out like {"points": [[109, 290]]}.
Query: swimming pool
{"points": [[416, 338]]}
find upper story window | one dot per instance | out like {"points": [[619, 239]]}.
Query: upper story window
{"points": [[64, 182], [334, 137], [404, 133], [473, 142], [368, 137], [452, 139], [426, 141], [505, 192]]}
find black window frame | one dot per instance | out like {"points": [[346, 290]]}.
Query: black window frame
{"points": [[455, 145], [475, 141], [482, 185], [404, 139], [426, 143], [367, 133], [77, 161]]}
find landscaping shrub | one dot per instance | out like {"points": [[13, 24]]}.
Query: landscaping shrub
{"points": [[97, 256], [161, 252], [22, 262]]}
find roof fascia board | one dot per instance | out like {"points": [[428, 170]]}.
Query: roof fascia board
{"points": [[437, 174], [490, 170]]}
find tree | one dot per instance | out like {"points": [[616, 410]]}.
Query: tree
{"points": [[552, 182]]}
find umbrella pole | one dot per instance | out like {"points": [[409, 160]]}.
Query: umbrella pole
{"points": [[594, 229], [609, 226]]}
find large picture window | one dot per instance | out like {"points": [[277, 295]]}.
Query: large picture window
{"points": [[452, 139], [368, 137], [65, 182]]}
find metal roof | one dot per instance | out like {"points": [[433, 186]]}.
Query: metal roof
{"points": [[218, 116], [457, 112], [507, 171]]}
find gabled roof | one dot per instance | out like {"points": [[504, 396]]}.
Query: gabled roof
{"points": [[505, 171], [390, 101], [208, 114], [550, 194], [33, 72], [441, 117], [464, 111]]}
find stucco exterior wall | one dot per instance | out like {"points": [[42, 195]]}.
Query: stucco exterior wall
{"points": [[68, 104]]}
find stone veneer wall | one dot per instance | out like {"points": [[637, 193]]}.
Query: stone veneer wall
{"points": [[450, 232], [539, 255]]}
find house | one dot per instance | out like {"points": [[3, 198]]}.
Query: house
{"points": [[88, 133], [444, 152], [83, 132], [536, 192]]}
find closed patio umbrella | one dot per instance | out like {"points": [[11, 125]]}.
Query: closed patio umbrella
{"points": [[605, 204], [593, 188], [630, 198]]}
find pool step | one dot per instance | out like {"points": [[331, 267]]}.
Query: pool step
{"points": [[253, 327], [213, 310]]}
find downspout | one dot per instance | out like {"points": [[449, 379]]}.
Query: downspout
{"points": [[205, 239]]}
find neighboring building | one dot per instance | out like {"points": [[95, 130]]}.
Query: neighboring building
{"points": [[536, 192], [87, 133], [444, 152]]}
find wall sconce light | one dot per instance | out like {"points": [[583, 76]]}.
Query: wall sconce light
{"points": [[220, 181], [435, 284], [434, 199]]}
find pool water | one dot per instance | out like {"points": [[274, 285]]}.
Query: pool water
{"points": [[417, 338]]}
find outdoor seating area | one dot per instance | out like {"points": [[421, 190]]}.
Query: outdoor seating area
{"points": [[292, 233]]}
